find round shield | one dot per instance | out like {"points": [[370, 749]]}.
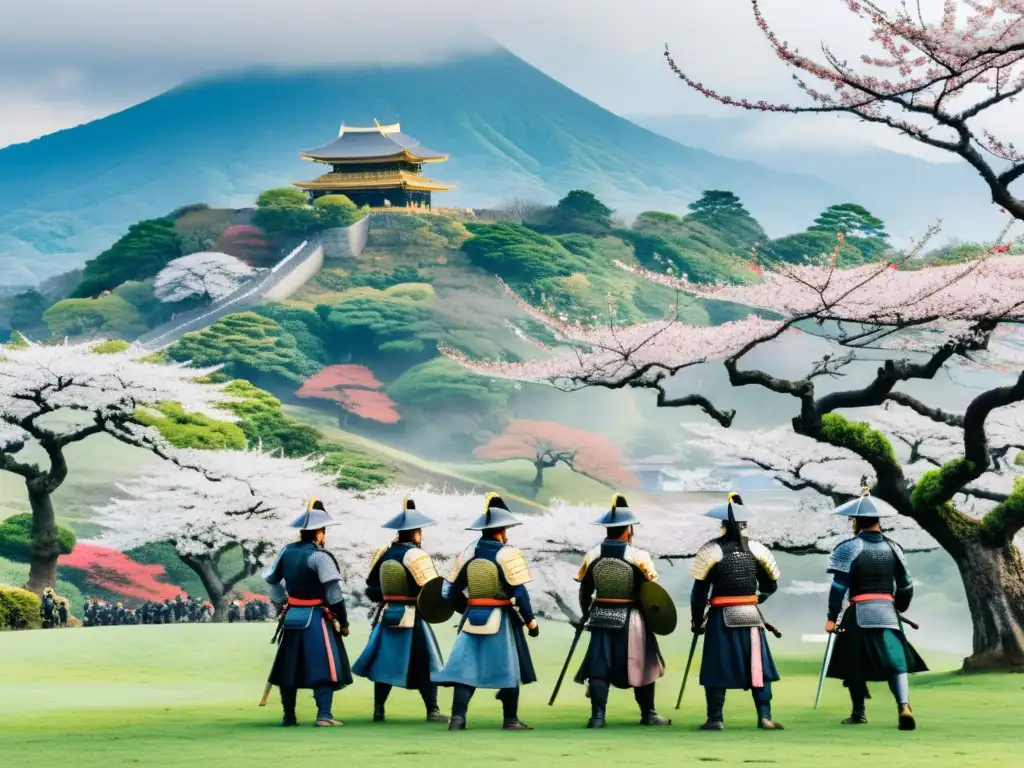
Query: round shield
{"points": [[433, 608], [658, 609]]}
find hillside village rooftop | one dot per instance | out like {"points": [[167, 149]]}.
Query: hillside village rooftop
{"points": [[377, 166]]}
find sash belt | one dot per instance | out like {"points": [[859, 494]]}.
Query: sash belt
{"points": [[614, 601], [872, 596], [399, 599], [488, 602], [727, 600], [299, 602]]}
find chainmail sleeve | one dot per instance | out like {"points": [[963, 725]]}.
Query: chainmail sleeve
{"points": [[275, 579], [327, 571]]}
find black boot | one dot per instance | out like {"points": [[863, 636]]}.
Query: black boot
{"points": [[645, 700], [653, 718], [858, 713], [381, 691], [460, 707], [288, 697], [715, 700], [857, 717], [597, 692], [763, 704], [510, 710], [429, 695]]}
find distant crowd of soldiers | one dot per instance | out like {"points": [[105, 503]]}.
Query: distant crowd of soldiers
{"points": [[181, 610]]}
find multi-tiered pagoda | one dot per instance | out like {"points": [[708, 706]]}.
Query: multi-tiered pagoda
{"points": [[378, 166]]}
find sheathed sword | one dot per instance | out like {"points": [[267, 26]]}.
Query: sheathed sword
{"points": [[274, 641]]}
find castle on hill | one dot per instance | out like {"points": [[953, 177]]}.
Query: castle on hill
{"points": [[376, 166]]}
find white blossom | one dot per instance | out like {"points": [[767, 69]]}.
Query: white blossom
{"points": [[206, 274]]}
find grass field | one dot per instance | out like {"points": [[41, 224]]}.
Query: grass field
{"points": [[187, 695]]}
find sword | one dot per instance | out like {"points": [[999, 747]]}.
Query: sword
{"points": [[377, 614], [824, 665], [568, 659], [686, 674]]}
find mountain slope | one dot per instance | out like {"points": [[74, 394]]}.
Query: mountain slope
{"points": [[909, 193], [510, 130]]}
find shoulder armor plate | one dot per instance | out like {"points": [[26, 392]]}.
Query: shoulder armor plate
{"points": [[377, 556], [272, 571], [643, 561], [464, 557], [588, 561], [419, 564], [764, 556], [513, 566], [707, 558], [842, 557]]}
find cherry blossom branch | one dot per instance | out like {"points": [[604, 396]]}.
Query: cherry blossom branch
{"points": [[933, 66], [935, 414]]}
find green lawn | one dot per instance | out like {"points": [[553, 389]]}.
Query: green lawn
{"points": [[187, 695]]}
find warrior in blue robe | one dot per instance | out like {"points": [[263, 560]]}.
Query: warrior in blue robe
{"points": [[870, 644], [738, 574], [623, 652], [305, 584], [488, 587], [402, 650]]}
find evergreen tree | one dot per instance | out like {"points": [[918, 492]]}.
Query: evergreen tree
{"points": [[145, 249]]}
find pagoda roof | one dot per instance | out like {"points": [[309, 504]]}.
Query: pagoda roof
{"points": [[387, 180], [376, 142]]}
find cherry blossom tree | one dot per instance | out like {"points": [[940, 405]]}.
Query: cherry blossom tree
{"points": [[207, 275], [207, 504], [546, 444], [933, 80], [54, 396], [893, 330]]}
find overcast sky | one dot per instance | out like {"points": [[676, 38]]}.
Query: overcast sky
{"points": [[64, 62]]}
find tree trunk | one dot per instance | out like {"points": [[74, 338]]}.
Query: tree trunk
{"points": [[45, 546], [538, 479], [206, 570], [994, 582]]}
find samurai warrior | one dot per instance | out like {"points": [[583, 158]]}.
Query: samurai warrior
{"points": [[402, 650], [738, 574], [305, 584], [870, 644], [623, 651], [488, 587]]}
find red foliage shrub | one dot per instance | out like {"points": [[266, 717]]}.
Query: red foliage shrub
{"points": [[355, 389], [250, 596], [596, 455], [325, 382], [367, 404], [248, 243], [112, 571]]}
